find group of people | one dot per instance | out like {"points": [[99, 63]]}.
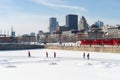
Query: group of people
{"points": [[88, 56], [84, 55], [54, 54], [29, 54]]}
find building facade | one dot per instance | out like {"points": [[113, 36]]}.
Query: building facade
{"points": [[99, 23], [72, 22], [114, 32], [83, 24], [53, 24], [63, 28], [8, 39], [27, 39]]}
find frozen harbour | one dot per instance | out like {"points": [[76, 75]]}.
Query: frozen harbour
{"points": [[68, 65]]}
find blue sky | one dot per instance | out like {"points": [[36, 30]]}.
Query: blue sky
{"points": [[33, 15]]}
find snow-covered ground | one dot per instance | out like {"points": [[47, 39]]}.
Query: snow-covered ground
{"points": [[68, 65]]}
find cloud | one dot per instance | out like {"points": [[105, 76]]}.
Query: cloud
{"points": [[58, 4]]}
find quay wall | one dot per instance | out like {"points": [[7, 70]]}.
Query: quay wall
{"points": [[112, 49], [19, 46], [81, 48]]}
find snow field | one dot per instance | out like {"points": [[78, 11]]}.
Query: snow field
{"points": [[68, 65]]}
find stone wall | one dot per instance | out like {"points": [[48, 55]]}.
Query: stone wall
{"points": [[91, 49], [15, 46]]}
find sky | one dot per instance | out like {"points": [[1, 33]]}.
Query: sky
{"points": [[26, 16]]}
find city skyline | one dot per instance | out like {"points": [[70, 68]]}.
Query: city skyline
{"points": [[27, 16]]}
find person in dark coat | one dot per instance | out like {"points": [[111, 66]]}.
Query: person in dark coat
{"points": [[88, 56], [29, 55], [46, 54], [54, 54], [84, 55]]}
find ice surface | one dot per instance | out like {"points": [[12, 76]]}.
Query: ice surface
{"points": [[68, 65]]}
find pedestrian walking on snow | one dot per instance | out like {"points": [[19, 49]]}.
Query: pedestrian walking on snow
{"points": [[84, 55], [88, 56], [29, 55], [54, 54], [46, 54]]}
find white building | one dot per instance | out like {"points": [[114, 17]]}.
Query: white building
{"points": [[113, 32], [83, 24]]}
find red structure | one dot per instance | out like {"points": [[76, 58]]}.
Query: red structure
{"points": [[101, 42]]}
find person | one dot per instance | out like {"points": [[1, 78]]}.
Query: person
{"points": [[88, 56], [84, 55], [54, 54], [46, 54], [29, 55]]}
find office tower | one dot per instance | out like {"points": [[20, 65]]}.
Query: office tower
{"points": [[12, 32], [53, 24], [83, 24], [72, 22], [99, 23], [32, 34]]}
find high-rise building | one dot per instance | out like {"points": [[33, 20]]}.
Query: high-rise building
{"points": [[83, 24], [99, 23], [12, 32], [32, 34], [53, 24], [72, 22]]}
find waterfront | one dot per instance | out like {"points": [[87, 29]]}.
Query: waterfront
{"points": [[18, 46]]}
